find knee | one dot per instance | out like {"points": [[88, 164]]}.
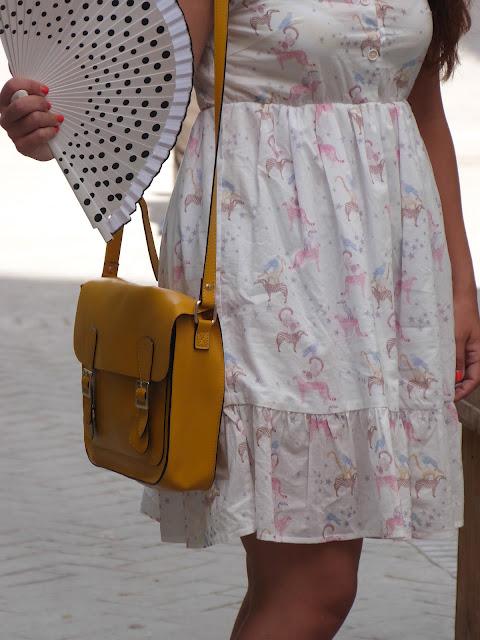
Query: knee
{"points": [[327, 611], [343, 596]]}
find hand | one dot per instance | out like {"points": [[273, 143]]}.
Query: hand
{"points": [[28, 121], [467, 338]]}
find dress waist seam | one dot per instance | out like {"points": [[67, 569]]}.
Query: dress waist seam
{"points": [[402, 101]]}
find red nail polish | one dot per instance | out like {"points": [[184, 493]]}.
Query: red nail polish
{"points": [[60, 118], [458, 375], [44, 89], [49, 104], [56, 127]]}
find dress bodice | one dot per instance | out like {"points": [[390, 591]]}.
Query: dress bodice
{"points": [[309, 51]]}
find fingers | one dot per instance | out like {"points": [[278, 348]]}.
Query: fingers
{"points": [[14, 84], [460, 340], [28, 144], [470, 381], [468, 361], [29, 122], [21, 108]]}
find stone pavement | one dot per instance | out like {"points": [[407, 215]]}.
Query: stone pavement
{"points": [[78, 560]]}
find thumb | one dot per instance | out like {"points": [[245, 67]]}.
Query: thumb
{"points": [[32, 87]]}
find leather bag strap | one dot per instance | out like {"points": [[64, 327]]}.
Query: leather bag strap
{"points": [[207, 288], [113, 248]]}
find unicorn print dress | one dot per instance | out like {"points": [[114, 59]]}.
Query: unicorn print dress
{"points": [[334, 288]]}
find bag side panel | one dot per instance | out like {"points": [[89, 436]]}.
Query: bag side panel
{"points": [[195, 411]]}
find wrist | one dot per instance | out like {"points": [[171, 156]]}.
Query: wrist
{"points": [[466, 295]]}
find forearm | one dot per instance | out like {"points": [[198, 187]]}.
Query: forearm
{"points": [[438, 140]]}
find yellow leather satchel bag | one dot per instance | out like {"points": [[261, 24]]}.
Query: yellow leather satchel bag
{"points": [[152, 358]]}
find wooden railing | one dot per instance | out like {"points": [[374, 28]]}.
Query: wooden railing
{"points": [[467, 619]]}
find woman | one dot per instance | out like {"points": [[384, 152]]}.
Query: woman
{"points": [[345, 292]]}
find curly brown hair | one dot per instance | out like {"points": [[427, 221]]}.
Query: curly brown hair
{"points": [[451, 20]]}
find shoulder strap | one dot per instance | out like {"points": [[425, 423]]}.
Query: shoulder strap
{"points": [[207, 289], [113, 248]]}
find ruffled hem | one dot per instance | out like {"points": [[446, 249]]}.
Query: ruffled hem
{"points": [[306, 478]]}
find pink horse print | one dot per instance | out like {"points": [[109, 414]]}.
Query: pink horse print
{"points": [[281, 522], [316, 424], [357, 279], [296, 212], [277, 489], [179, 268], [329, 151], [284, 52], [405, 285], [309, 253], [308, 87], [396, 520], [382, 477]]}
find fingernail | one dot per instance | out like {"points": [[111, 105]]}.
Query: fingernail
{"points": [[60, 118], [49, 104], [56, 127], [458, 375], [44, 89]]}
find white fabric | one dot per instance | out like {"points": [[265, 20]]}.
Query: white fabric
{"points": [[333, 286]]}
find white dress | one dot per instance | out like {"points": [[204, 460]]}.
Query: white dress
{"points": [[334, 287]]}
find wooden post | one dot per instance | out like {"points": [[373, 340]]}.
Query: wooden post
{"points": [[467, 619]]}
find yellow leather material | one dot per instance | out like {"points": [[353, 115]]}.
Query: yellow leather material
{"points": [[178, 448], [195, 411], [152, 359], [112, 253], [123, 313]]}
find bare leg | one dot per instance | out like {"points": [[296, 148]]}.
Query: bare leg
{"points": [[245, 607], [241, 616], [301, 591]]}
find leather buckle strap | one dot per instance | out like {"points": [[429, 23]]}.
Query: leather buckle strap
{"points": [[139, 436], [88, 382]]}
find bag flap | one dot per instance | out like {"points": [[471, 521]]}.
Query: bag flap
{"points": [[123, 313]]}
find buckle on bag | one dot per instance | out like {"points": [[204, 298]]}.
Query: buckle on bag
{"points": [[195, 312], [88, 391], [141, 394], [87, 382]]}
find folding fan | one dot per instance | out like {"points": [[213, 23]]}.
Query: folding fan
{"points": [[121, 73]]}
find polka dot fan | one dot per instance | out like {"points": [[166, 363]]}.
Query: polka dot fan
{"points": [[121, 73]]}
